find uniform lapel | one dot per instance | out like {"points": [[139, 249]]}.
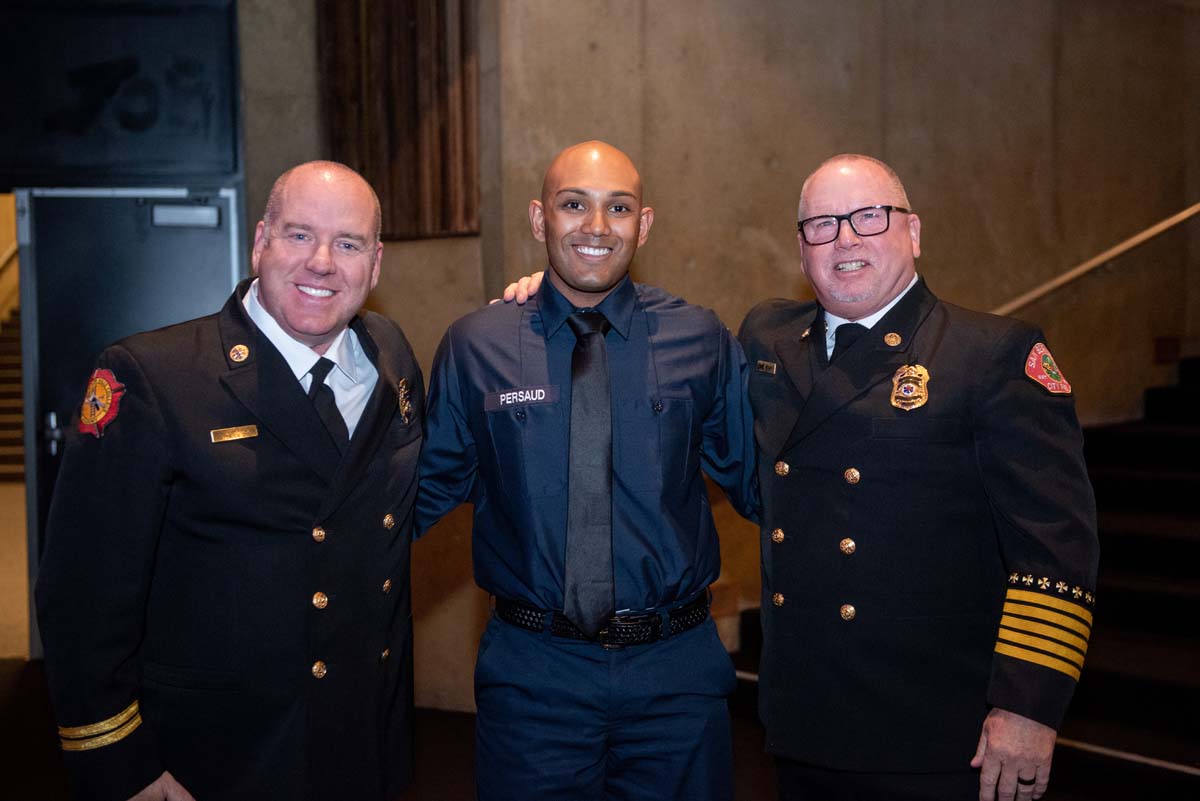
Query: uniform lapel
{"points": [[794, 348], [384, 350], [868, 362], [261, 381]]}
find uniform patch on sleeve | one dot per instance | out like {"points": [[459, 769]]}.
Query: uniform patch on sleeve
{"points": [[101, 402], [1040, 366]]}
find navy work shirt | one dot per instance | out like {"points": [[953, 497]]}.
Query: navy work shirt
{"points": [[498, 420]]}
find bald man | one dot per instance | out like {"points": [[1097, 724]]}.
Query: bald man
{"points": [[578, 425], [224, 594], [929, 531]]}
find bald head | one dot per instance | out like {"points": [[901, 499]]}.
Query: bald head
{"points": [[322, 171], [897, 195], [592, 158], [590, 216]]}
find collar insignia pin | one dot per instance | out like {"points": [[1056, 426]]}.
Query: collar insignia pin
{"points": [[404, 401]]}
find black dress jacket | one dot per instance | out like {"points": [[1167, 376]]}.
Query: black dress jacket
{"points": [[929, 542], [224, 595]]}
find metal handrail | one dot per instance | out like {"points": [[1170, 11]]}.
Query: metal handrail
{"points": [[1096, 261], [8, 300], [8, 256]]}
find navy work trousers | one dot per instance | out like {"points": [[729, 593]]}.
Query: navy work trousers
{"points": [[564, 719]]}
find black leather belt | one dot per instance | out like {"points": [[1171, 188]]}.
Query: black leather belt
{"points": [[624, 628]]}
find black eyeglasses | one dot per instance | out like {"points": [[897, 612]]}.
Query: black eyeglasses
{"points": [[867, 221]]}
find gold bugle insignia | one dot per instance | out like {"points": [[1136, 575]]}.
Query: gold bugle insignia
{"points": [[229, 434], [766, 367], [909, 387]]}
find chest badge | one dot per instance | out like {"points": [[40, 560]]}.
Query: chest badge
{"points": [[910, 387], [101, 402], [766, 367], [404, 401]]}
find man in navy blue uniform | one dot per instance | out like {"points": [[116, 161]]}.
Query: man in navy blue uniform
{"points": [[600, 674], [929, 533], [224, 593]]}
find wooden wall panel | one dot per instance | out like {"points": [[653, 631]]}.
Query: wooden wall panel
{"points": [[399, 82]]}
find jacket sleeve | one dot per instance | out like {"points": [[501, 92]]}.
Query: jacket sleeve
{"points": [[728, 444], [95, 575], [449, 462], [1030, 454]]}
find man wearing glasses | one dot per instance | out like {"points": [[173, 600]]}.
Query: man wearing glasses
{"points": [[929, 538]]}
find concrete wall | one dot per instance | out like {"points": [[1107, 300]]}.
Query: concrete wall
{"points": [[1031, 135]]}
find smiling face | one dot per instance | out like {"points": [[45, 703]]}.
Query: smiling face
{"points": [[855, 276], [591, 218], [317, 252]]}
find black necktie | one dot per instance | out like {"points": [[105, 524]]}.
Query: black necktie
{"points": [[321, 395], [845, 336], [588, 598]]}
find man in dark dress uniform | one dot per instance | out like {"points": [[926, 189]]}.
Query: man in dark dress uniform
{"points": [[224, 595], [928, 539], [578, 425]]}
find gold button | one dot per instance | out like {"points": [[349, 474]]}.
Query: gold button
{"points": [[848, 546], [777, 599], [386, 653], [239, 353], [782, 468], [320, 600], [848, 612], [892, 339], [319, 534], [387, 585], [319, 670], [777, 536], [389, 521], [852, 475]]}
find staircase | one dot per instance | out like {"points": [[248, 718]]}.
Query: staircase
{"points": [[1140, 690], [1133, 730], [12, 452]]}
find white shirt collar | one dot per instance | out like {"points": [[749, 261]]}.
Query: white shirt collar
{"points": [[832, 321], [343, 350]]}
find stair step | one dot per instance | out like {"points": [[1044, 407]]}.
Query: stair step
{"points": [[1171, 404], [1165, 545], [1162, 659], [1189, 372], [1160, 446], [1155, 719], [1160, 606], [1130, 488]]}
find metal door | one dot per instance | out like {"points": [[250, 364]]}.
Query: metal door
{"points": [[98, 264]]}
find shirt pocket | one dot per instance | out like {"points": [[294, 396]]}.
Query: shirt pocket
{"points": [[655, 445], [530, 447], [929, 429]]}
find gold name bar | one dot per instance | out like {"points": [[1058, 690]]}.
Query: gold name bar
{"points": [[237, 432]]}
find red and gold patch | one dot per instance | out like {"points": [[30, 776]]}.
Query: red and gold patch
{"points": [[1040, 366], [101, 403]]}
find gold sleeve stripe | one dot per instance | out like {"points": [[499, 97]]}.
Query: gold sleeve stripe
{"points": [[1044, 660], [104, 739], [1038, 612], [1020, 624], [1042, 644], [1052, 602], [103, 726]]}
